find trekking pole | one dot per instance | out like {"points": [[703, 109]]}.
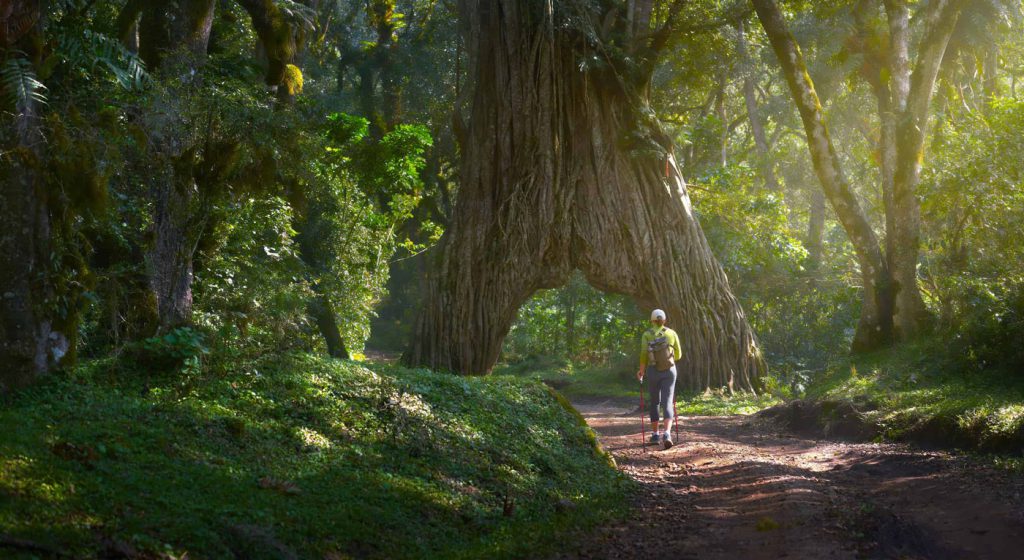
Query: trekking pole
{"points": [[643, 433], [675, 417]]}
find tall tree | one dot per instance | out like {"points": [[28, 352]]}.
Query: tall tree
{"points": [[174, 29], [565, 169], [875, 325], [911, 96], [173, 37], [31, 341], [903, 92]]}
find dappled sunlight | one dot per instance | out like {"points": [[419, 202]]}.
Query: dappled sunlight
{"points": [[743, 489]]}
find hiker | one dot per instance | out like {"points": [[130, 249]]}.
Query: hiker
{"points": [[659, 352]]}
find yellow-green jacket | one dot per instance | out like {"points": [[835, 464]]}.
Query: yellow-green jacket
{"points": [[655, 332]]}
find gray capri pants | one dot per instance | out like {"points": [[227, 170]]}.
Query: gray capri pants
{"points": [[661, 386]]}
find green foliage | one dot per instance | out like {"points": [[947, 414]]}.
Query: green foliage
{"points": [[992, 327], [803, 313], [86, 50], [316, 456], [920, 391], [357, 194], [576, 323], [748, 227], [251, 291], [973, 201], [20, 84], [181, 348]]}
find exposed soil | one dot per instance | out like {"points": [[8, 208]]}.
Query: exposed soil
{"points": [[741, 487]]}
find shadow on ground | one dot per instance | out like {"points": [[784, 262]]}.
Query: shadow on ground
{"points": [[735, 487]]}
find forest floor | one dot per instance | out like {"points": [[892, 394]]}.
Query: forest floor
{"points": [[740, 487]]}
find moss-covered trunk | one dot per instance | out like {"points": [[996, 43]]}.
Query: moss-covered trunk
{"points": [[912, 104], [564, 169], [874, 329], [172, 35], [30, 341]]}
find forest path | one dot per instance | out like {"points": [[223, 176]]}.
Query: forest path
{"points": [[735, 487]]}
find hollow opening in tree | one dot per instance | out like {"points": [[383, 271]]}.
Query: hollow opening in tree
{"points": [[564, 168]]}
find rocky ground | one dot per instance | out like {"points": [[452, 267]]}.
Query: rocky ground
{"points": [[739, 487]]}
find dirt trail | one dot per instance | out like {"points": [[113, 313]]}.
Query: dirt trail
{"points": [[733, 487]]}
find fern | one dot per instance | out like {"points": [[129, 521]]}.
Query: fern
{"points": [[84, 48], [20, 85], [297, 14]]}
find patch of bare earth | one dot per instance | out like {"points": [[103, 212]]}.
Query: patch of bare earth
{"points": [[735, 488]]}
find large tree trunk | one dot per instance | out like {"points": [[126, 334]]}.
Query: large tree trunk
{"points": [[875, 326], [279, 46], [561, 172], [30, 343], [308, 221], [27, 338]]}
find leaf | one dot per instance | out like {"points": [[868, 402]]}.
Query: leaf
{"points": [[85, 48], [20, 85]]}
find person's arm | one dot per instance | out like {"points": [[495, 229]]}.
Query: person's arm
{"points": [[643, 356], [676, 347]]}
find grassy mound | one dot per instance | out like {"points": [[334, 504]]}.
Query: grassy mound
{"points": [[296, 457], [914, 393]]}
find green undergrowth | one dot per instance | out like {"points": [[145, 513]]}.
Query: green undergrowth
{"points": [[298, 456], [718, 403], [575, 382], [619, 383], [914, 392]]}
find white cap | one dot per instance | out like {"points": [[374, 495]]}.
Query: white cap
{"points": [[657, 314]]}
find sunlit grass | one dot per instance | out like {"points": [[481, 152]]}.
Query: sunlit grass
{"points": [[723, 404], [910, 387]]}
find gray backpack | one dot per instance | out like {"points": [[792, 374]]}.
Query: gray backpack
{"points": [[659, 352]]}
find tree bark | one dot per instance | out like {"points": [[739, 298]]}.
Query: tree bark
{"points": [[550, 182], [874, 328], [887, 72], [30, 342], [128, 24], [323, 313], [307, 222], [771, 182], [174, 28], [723, 119], [169, 259]]}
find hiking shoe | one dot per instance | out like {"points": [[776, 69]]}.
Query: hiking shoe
{"points": [[667, 442], [655, 437]]}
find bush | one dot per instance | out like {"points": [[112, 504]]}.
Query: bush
{"points": [[991, 328], [180, 349]]}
